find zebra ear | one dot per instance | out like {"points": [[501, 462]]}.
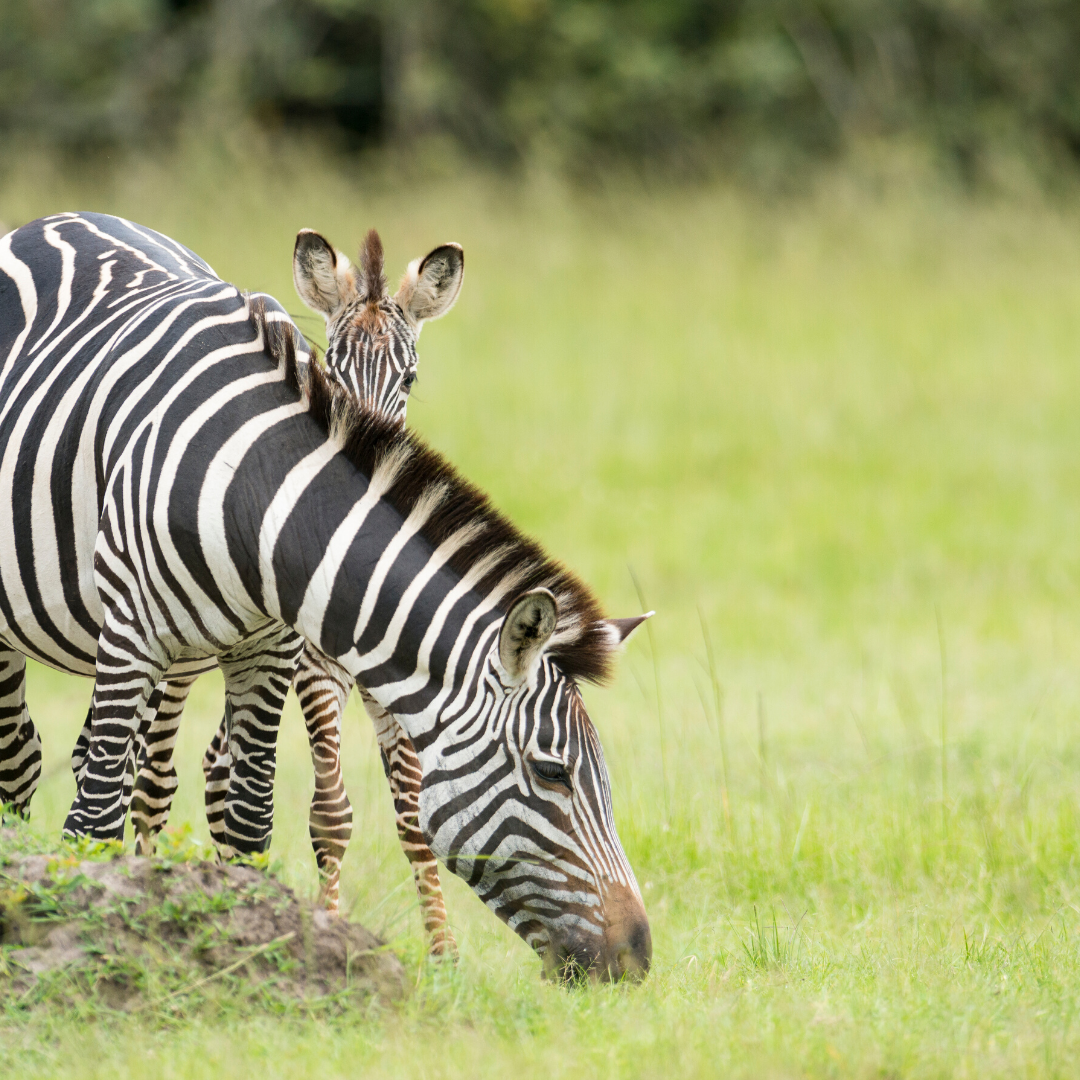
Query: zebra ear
{"points": [[525, 631], [431, 284], [621, 629], [324, 278]]}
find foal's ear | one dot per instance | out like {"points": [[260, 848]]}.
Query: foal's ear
{"points": [[525, 632], [431, 284], [324, 278], [620, 630]]}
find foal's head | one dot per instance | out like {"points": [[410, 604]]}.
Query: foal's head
{"points": [[371, 335]]}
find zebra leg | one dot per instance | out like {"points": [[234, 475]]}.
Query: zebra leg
{"points": [[217, 767], [323, 688], [82, 747], [402, 768], [257, 677], [125, 680], [20, 744], [156, 781]]}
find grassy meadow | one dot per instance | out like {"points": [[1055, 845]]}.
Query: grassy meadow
{"points": [[839, 432]]}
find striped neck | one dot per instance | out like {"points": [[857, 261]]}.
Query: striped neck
{"points": [[391, 607], [376, 550]]}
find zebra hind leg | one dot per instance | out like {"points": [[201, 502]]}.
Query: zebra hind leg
{"points": [[257, 678], [402, 768], [155, 782], [323, 687], [20, 744]]}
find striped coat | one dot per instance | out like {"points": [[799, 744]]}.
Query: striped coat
{"points": [[242, 503]]}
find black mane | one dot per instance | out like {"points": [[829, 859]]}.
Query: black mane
{"points": [[581, 645]]}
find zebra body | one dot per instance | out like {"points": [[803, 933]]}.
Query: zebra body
{"points": [[241, 505], [372, 354]]}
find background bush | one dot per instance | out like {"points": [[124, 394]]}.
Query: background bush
{"points": [[584, 82]]}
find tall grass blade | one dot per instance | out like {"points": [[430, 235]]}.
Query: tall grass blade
{"points": [[718, 706], [763, 749], [656, 682], [799, 835], [944, 716]]}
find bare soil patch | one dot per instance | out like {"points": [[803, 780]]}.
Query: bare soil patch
{"points": [[126, 933]]}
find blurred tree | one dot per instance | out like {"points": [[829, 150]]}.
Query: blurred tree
{"points": [[319, 63], [585, 81], [87, 72]]}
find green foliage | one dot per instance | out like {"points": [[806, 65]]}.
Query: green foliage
{"points": [[83, 73], [580, 83]]}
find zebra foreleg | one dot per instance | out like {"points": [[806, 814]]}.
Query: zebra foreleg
{"points": [[20, 744], [402, 768], [257, 678], [322, 687], [82, 747], [124, 684], [156, 781]]}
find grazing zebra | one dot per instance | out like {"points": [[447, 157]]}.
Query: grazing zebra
{"points": [[371, 352], [242, 503]]}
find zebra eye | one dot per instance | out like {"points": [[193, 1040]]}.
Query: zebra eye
{"points": [[408, 381], [551, 771]]}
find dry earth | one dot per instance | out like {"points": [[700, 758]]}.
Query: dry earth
{"points": [[132, 933]]}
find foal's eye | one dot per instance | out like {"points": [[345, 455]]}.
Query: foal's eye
{"points": [[408, 381], [552, 772]]}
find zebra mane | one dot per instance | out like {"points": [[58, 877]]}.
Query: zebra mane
{"points": [[421, 479], [371, 262]]}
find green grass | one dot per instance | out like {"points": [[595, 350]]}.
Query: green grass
{"points": [[832, 425]]}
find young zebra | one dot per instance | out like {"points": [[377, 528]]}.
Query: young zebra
{"points": [[241, 506], [371, 352]]}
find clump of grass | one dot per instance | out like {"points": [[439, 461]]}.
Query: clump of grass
{"points": [[764, 945]]}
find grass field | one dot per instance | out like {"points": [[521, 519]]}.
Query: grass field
{"points": [[841, 431]]}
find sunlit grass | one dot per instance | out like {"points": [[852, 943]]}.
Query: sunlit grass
{"points": [[822, 423]]}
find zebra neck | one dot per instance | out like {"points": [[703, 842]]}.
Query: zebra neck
{"points": [[379, 597]]}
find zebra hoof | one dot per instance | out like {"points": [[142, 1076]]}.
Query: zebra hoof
{"points": [[145, 845], [443, 948], [78, 831]]}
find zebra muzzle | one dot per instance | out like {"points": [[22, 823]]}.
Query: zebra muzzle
{"points": [[622, 953]]}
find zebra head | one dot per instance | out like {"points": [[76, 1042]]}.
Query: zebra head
{"points": [[524, 815], [371, 336]]}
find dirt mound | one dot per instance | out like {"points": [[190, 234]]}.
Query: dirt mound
{"points": [[130, 933]]}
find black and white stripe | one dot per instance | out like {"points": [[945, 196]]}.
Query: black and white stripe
{"points": [[242, 503], [371, 352]]}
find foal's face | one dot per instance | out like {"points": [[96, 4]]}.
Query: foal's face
{"points": [[371, 351], [372, 335]]}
